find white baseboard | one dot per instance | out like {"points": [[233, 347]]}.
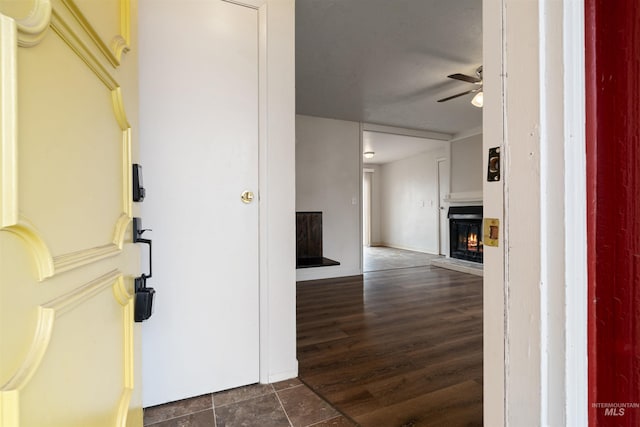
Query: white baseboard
{"points": [[406, 248], [286, 375], [318, 273]]}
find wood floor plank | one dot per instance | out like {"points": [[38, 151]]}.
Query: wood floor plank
{"points": [[395, 348], [457, 405]]}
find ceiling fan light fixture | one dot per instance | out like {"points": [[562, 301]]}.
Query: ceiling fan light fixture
{"points": [[369, 154], [478, 100]]}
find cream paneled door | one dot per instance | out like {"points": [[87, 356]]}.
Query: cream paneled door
{"points": [[67, 336]]}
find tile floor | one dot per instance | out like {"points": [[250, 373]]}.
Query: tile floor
{"points": [[284, 404], [378, 258]]}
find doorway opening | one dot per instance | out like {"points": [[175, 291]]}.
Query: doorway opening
{"points": [[400, 198], [443, 193], [349, 121], [367, 183]]}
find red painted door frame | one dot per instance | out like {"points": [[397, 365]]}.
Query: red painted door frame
{"points": [[612, 37]]}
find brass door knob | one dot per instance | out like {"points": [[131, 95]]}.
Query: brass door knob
{"points": [[247, 196]]}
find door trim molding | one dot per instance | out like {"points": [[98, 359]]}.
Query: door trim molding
{"points": [[441, 197], [276, 115], [8, 123], [494, 281], [575, 221], [440, 136], [263, 198], [253, 4], [533, 369]]}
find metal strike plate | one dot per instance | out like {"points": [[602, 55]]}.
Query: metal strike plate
{"points": [[493, 165], [491, 232]]}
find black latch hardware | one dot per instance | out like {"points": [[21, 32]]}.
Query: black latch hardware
{"points": [[144, 294], [138, 190], [493, 165]]}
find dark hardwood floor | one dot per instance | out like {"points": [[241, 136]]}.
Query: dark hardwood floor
{"points": [[399, 348]]}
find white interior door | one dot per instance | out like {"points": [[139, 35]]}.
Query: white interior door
{"points": [[199, 125], [443, 191]]}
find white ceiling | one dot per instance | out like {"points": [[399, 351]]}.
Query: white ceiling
{"points": [[387, 61], [389, 148]]}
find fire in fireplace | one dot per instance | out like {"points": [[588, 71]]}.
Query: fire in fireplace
{"points": [[465, 232]]}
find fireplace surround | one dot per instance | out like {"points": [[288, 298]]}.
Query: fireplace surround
{"points": [[465, 233], [309, 241]]}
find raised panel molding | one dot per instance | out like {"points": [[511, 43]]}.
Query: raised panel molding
{"points": [[37, 350], [38, 249], [73, 260], [123, 407], [63, 24], [119, 44], [47, 315], [26, 33], [126, 300], [61, 27], [48, 266], [32, 29], [8, 123], [121, 231], [127, 184]]}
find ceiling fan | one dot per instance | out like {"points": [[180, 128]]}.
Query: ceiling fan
{"points": [[477, 80]]}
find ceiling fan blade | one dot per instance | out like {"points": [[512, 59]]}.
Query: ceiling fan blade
{"points": [[456, 96], [465, 78]]}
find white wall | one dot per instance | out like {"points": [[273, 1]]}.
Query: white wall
{"points": [[328, 179], [410, 202], [466, 165]]}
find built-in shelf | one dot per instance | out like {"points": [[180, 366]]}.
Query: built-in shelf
{"points": [[315, 262]]}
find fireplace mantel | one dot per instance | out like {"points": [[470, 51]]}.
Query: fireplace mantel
{"points": [[473, 198]]}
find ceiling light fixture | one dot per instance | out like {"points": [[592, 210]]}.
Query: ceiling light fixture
{"points": [[478, 100], [369, 154]]}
